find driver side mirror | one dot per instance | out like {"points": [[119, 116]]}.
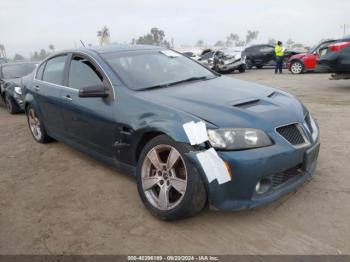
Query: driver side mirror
{"points": [[93, 91]]}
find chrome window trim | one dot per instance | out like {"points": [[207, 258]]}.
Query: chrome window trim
{"points": [[70, 88], [302, 132], [67, 87]]}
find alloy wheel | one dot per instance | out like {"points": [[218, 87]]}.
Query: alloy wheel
{"points": [[164, 177], [296, 68], [34, 124]]}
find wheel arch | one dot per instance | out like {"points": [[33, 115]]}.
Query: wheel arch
{"points": [[30, 101], [143, 140], [297, 60]]}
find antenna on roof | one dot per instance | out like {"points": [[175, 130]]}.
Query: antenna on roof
{"points": [[82, 43]]}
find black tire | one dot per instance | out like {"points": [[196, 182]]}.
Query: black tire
{"points": [[11, 105], [259, 66], [296, 67], [241, 69], [44, 137], [249, 63], [194, 198]]}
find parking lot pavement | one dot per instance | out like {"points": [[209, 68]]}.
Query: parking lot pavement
{"points": [[55, 200]]}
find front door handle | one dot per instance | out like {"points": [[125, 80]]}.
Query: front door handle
{"points": [[67, 97]]}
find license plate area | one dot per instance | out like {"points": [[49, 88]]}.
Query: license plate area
{"points": [[310, 157]]}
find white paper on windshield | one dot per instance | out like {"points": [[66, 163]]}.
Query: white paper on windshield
{"points": [[196, 132], [170, 53], [213, 166]]}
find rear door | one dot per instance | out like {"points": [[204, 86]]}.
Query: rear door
{"points": [[89, 121], [267, 54], [47, 88]]}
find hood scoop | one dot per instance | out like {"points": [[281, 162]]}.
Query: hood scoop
{"points": [[255, 105], [246, 102]]}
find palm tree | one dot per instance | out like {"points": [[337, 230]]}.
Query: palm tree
{"points": [[52, 48], [103, 35], [2, 50]]}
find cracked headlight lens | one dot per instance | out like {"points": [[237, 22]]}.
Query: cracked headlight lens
{"points": [[238, 138]]}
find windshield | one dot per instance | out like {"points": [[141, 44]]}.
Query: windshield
{"points": [[146, 69], [17, 70]]}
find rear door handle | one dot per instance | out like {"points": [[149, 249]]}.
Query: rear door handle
{"points": [[67, 97]]}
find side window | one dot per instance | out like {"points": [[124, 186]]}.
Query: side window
{"points": [[54, 70], [266, 49], [39, 72], [83, 73]]}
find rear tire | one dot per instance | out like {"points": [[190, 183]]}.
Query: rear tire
{"points": [[169, 191], [36, 126], [11, 105]]}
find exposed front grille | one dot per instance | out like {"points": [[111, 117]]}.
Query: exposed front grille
{"points": [[281, 178], [292, 134]]}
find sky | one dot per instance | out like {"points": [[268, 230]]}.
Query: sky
{"points": [[30, 25]]}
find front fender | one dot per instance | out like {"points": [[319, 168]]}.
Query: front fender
{"points": [[173, 129]]}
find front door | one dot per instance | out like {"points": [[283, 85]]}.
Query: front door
{"points": [[89, 121]]}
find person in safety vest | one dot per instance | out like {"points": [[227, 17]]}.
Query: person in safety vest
{"points": [[279, 53]]}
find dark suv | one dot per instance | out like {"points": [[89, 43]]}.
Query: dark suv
{"points": [[259, 56], [263, 55]]}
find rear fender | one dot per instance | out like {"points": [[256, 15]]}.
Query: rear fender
{"points": [[30, 100]]}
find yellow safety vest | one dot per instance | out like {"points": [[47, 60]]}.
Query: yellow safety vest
{"points": [[279, 51]]}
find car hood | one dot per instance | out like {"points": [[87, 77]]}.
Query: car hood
{"points": [[225, 102], [300, 56]]}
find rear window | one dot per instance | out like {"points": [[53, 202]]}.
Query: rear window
{"points": [[54, 70], [39, 72]]}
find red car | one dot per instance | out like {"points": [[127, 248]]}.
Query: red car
{"points": [[306, 62]]}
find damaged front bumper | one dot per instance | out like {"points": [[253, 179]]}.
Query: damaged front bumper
{"points": [[232, 66], [285, 168]]}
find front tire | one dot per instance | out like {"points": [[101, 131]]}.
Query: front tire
{"points": [[296, 67], [168, 184], [249, 63], [11, 105], [36, 126], [241, 69]]}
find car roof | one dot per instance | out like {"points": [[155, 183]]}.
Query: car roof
{"points": [[114, 48]]}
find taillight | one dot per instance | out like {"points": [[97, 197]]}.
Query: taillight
{"points": [[338, 46]]}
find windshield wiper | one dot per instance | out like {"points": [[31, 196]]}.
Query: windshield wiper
{"points": [[196, 78]]}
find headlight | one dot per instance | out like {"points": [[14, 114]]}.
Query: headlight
{"points": [[18, 90], [238, 138]]}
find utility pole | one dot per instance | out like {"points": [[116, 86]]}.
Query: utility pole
{"points": [[344, 27]]}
